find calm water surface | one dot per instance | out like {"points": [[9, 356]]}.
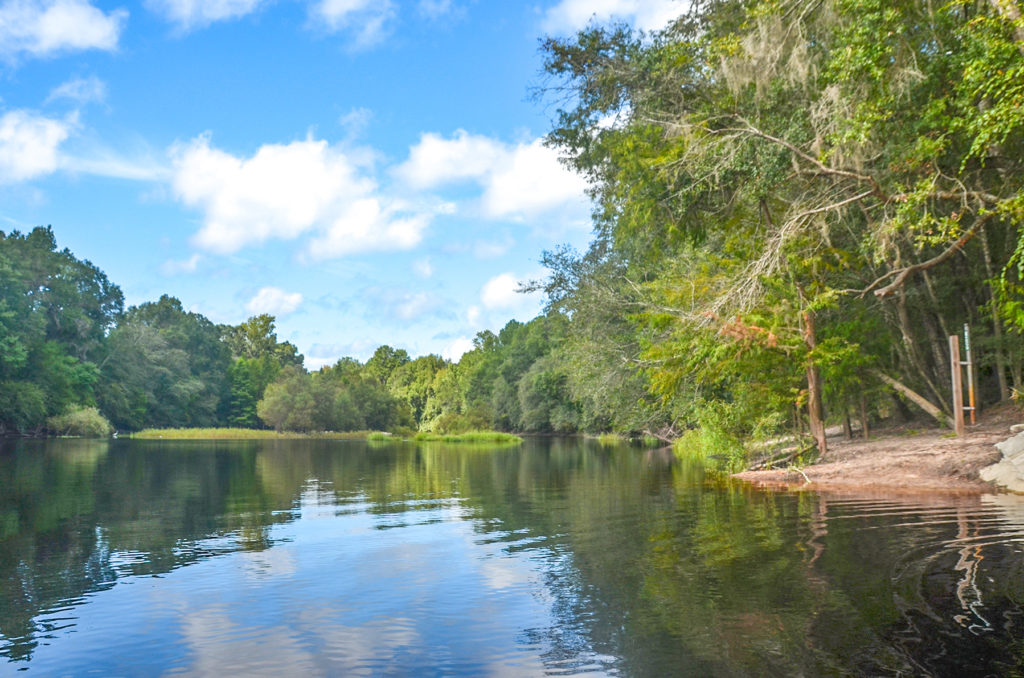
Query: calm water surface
{"points": [[554, 558]]}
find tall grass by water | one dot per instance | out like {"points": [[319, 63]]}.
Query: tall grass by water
{"points": [[479, 437], [244, 434]]}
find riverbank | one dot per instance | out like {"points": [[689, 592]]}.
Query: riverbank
{"points": [[242, 434], [472, 437], [903, 459]]}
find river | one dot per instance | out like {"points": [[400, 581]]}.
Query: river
{"points": [[558, 557]]}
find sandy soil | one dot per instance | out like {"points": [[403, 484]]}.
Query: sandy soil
{"points": [[904, 459]]}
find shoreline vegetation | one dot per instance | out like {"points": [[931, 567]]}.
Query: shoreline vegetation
{"points": [[242, 434], [478, 437]]}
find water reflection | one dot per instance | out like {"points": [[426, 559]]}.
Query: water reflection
{"points": [[327, 558]]}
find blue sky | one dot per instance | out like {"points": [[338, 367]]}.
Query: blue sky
{"points": [[368, 171]]}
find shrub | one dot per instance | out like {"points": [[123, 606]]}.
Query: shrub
{"points": [[86, 422]]}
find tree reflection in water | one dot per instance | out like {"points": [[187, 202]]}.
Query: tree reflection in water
{"points": [[645, 565]]}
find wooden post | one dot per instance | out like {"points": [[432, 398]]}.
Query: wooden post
{"points": [[958, 386], [972, 406]]}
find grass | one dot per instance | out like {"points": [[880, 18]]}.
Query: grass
{"points": [[246, 434], [478, 437], [617, 439]]}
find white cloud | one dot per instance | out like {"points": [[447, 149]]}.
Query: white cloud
{"points": [[532, 181], [274, 301], [399, 303], [197, 13], [423, 268], [80, 90], [173, 267], [569, 16], [355, 121], [367, 19], [457, 348], [369, 225], [435, 9], [45, 27], [484, 249], [500, 298], [414, 305], [436, 161], [500, 292], [105, 162], [29, 145], [285, 191], [518, 180]]}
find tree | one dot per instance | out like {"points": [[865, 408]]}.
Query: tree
{"points": [[258, 359], [55, 311], [384, 362], [796, 162], [288, 404], [165, 367]]}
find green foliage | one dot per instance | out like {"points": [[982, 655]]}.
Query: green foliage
{"points": [[55, 312], [84, 422], [164, 366], [472, 437], [23, 405], [717, 437], [242, 434], [767, 169], [336, 398], [255, 339], [611, 440]]}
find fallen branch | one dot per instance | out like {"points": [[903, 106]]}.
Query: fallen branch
{"points": [[770, 461], [807, 481], [663, 438], [915, 398]]}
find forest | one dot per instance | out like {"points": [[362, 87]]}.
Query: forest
{"points": [[795, 204]]}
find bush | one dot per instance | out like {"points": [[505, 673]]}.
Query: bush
{"points": [[718, 437], [86, 422], [454, 423]]}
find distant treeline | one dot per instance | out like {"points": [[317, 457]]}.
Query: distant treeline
{"points": [[74, 360]]}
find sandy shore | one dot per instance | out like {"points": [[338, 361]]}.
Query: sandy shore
{"points": [[904, 460]]}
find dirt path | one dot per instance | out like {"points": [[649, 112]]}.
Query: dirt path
{"points": [[904, 459]]}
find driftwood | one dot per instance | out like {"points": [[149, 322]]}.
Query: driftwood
{"points": [[663, 437], [915, 398], [771, 460]]}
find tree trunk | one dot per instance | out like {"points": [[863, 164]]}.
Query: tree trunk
{"points": [[864, 416], [815, 415], [915, 398], [997, 326], [908, 339], [847, 427]]}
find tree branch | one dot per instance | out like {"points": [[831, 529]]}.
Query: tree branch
{"points": [[904, 273]]}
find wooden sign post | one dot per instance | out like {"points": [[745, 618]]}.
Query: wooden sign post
{"points": [[972, 407], [958, 386]]}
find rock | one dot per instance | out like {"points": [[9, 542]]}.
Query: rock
{"points": [[1017, 428], [1012, 447], [1005, 474]]}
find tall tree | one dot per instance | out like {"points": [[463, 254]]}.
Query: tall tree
{"points": [[797, 162]]}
